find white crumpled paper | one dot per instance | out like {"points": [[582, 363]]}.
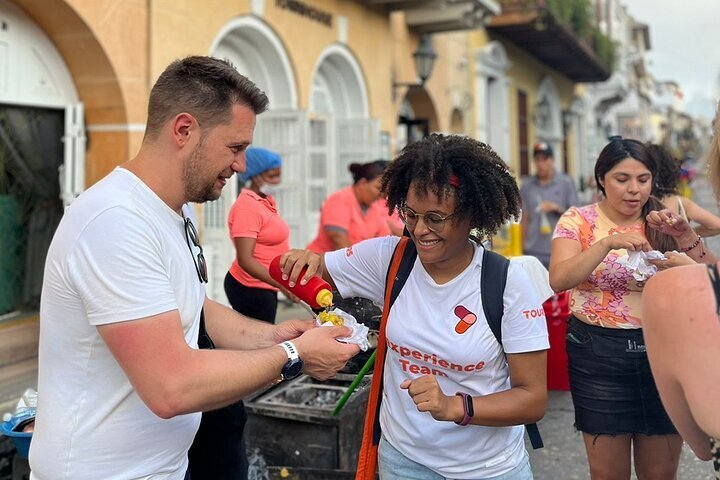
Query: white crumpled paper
{"points": [[637, 263], [359, 330]]}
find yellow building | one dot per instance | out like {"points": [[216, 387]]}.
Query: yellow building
{"points": [[528, 68], [340, 76]]}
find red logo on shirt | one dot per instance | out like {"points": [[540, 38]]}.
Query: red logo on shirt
{"points": [[467, 319], [349, 251], [534, 313]]}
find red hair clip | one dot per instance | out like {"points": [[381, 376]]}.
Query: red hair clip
{"points": [[454, 180]]}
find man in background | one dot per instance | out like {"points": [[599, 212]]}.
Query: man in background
{"points": [[545, 196]]}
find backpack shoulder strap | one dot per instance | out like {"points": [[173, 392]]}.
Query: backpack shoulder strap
{"points": [[403, 271], [493, 277], [401, 264]]}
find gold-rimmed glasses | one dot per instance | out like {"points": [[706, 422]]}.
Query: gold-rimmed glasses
{"points": [[433, 221]]}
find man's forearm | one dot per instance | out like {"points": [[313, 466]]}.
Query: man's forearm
{"points": [[229, 329], [209, 379]]}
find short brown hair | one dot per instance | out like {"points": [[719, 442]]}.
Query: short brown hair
{"points": [[204, 87]]}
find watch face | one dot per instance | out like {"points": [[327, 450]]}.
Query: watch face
{"points": [[469, 406], [292, 369]]}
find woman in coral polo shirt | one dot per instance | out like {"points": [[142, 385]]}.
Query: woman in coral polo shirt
{"points": [[259, 235], [348, 216]]}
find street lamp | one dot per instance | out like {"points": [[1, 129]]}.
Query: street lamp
{"points": [[543, 112], [424, 59]]}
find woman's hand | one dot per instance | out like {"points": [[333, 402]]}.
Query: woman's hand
{"points": [[674, 259], [429, 397], [667, 222], [631, 241], [293, 261]]}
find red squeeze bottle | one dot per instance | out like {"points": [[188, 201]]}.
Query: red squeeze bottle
{"points": [[316, 292]]}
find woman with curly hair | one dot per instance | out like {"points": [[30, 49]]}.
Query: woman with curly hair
{"points": [[617, 406], [454, 400]]}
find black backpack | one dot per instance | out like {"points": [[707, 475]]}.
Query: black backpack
{"points": [[493, 277]]}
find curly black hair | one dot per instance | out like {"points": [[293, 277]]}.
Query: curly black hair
{"points": [[668, 171], [486, 194]]}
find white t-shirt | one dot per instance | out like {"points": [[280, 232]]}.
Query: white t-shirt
{"points": [[119, 254], [422, 338]]}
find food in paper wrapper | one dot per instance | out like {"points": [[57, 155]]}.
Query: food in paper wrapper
{"points": [[332, 317], [359, 331]]}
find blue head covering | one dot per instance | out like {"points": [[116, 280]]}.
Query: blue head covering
{"points": [[258, 160]]}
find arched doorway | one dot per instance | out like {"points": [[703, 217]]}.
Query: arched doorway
{"points": [[42, 146], [340, 130], [548, 119], [417, 117], [257, 52], [493, 120]]}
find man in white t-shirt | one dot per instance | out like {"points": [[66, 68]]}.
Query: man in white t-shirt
{"points": [[121, 380]]}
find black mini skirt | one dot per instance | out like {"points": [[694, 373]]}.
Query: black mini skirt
{"points": [[612, 387]]}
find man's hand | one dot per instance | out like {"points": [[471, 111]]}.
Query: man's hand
{"points": [[322, 354], [291, 329], [429, 397], [550, 207]]}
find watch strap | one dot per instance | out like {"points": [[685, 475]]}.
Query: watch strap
{"points": [[290, 349], [468, 408]]}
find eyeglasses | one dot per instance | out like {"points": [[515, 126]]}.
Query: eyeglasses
{"points": [[433, 221], [191, 235]]}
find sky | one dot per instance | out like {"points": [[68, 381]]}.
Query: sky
{"points": [[685, 45]]}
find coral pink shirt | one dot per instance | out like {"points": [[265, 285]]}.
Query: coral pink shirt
{"points": [[610, 296], [394, 218], [253, 216], [342, 210]]}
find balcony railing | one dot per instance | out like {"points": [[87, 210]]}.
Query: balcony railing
{"points": [[434, 16], [561, 33]]}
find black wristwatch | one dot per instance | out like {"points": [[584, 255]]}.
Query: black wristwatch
{"points": [[294, 365]]}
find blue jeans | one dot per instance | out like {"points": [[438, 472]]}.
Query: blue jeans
{"points": [[393, 465]]}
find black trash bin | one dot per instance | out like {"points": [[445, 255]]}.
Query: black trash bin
{"points": [[291, 432]]}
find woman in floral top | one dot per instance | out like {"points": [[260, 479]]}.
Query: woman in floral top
{"points": [[617, 406]]}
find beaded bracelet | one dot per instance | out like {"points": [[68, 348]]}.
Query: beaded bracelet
{"points": [[695, 244]]}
